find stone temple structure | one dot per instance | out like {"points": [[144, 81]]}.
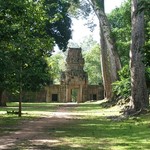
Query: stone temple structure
{"points": [[74, 82]]}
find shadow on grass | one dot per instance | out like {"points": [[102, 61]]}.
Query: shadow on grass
{"points": [[30, 107], [108, 104], [105, 134], [95, 134]]}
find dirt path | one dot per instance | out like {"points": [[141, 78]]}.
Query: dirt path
{"points": [[33, 133]]}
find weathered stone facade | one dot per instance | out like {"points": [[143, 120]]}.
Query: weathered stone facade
{"points": [[74, 82]]}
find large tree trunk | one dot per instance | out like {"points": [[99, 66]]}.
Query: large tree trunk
{"points": [[105, 66], [110, 60], [113, 58], [139, 95], [2, 102]]}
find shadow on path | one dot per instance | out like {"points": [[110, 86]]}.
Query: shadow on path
{"points": [[32, 134]]}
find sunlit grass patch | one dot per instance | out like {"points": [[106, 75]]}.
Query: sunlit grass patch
{"points": [[90, 128], [29, 107], [96, 132], [9, 120], [95, 109], [105, 138]]}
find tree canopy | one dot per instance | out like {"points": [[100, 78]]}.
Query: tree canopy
{"points": [[58, 25], [25, 41]]}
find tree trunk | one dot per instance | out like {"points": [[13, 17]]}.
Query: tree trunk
{"points": [[105, 66], [110, 60], [2, 102], [20, 94], [112, 54], [139, 95]]}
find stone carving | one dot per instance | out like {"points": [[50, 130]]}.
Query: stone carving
{"points": [[74, 68]]}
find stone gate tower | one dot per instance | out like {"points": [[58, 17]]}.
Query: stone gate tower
{"points": [[74, 77], [74, 80]]}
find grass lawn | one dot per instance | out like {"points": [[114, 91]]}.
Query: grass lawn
{"points": [[94, 132], [30, 111], [30, 107], [91, 129], [99, 133]]}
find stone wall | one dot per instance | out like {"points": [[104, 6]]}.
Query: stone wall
{"points": [[28, 96]]}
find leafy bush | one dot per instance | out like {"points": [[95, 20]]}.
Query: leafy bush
{"points": [[122, 87], [148, 78]]}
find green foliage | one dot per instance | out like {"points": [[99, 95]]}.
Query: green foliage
{"points": [[148, 78], [74, 95], [120, 21], [59, 24], [88, 43], [144, 5], [92, 64], [146, 51], [122, 87], [56, 64], [25, 43]]}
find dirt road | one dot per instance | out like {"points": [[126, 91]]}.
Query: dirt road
{"points": [[32, 134]]}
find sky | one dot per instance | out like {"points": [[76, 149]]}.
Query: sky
{"points": [[80, 31]]}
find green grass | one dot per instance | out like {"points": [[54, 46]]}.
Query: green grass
{"points": [[30, 107], [89, 130], [100, 133], [10, 122], [88, 107], [97, 132]]}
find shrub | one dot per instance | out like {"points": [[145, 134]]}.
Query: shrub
{"points": [[122, 87]]}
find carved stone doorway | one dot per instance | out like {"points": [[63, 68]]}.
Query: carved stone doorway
{"points": [[74, 78], [75, 94]]}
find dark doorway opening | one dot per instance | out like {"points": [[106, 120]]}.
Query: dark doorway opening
{"points": [[54, 97], [94, 97]]}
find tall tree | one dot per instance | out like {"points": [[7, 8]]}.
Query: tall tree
{"points": [[24, 43], [22, 40], [110, 62], [120, 21], [139, 96]]}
